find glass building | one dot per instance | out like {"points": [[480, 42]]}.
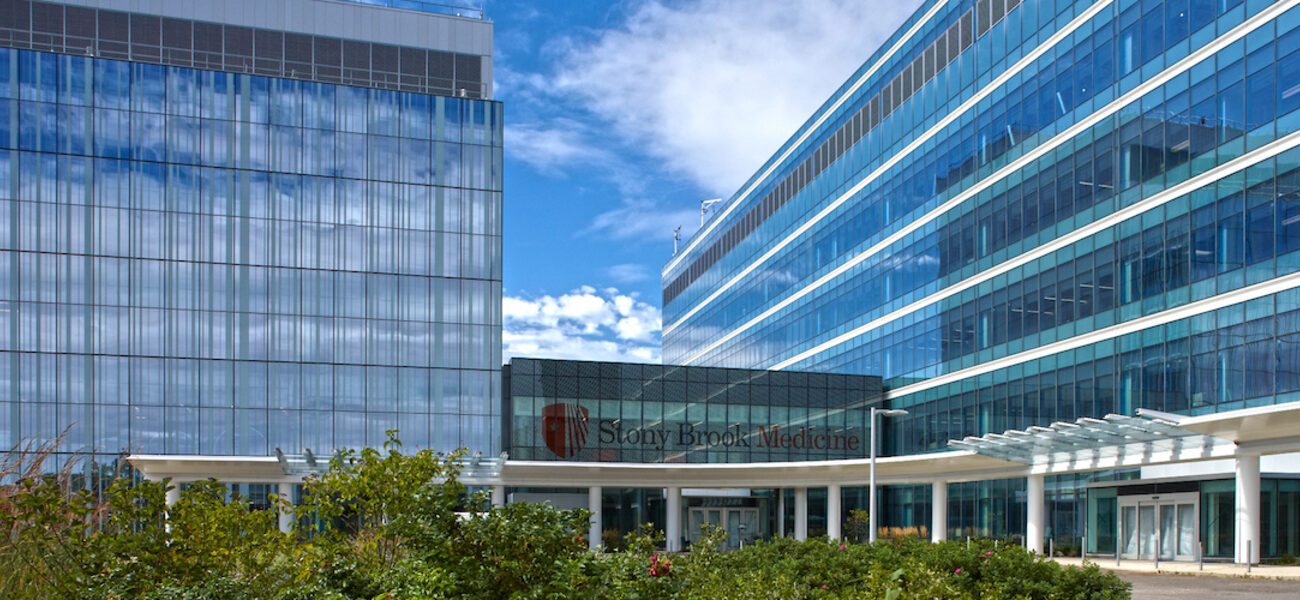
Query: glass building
{"points": [[643, 413], [565, 410], [227, 228], [1025, 212]]}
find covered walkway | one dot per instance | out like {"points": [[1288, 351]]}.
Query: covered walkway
{"points": [[1149, 439]]}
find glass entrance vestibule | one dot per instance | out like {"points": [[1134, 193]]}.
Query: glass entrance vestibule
{"points": [[1187, 519], [741, 523]]}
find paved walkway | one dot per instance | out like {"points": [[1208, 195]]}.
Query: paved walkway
{"points": [[1191, 587], [1186, 581], [1186, 568]]}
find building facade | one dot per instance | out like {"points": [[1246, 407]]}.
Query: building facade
{"points": [[605, 412], [644, 413], [232, 227], [1026, 212]]}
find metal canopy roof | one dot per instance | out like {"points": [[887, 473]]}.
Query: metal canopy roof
{"points": [[477, 467], [473, 468], [281, 468], [1116, 440]]}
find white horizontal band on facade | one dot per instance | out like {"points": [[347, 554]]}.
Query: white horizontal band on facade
{"points": [[1156, 200], [898, 157], [1191, 309], [731, 206], [1133, 96]]}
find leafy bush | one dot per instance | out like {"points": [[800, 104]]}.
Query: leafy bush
{"points": [[383, 525], [905, 568]]}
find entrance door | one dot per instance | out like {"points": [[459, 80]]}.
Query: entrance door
{"points": [[1165, 525], [740, 524]]}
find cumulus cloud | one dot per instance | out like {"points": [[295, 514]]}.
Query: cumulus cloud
{"points": [[585, 324], [713, 87]]}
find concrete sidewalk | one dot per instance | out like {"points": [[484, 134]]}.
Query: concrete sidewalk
{"points": [[1217, 569]]}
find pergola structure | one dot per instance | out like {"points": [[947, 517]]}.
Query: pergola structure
{"points": [[1117, 441]]}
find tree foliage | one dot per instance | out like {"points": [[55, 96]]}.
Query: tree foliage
{"points": [[380, 524]]}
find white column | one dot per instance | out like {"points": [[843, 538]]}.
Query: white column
{"points": [[938, 511], [674, 533], [286, 506], [498, 496], [833, 511], [873, 520], [780, 512], [1035, 525], [1247, 523], [173, 495], [595, 528], [801, 513]]}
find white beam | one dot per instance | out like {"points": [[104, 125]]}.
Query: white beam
{"points": [[833, 511], [172, 496], [674, 519], [801, 513], [780, 512], [1282, 445], [1247, 522], [285, 506], [1035, 525], [594, 528], [938, 511]]}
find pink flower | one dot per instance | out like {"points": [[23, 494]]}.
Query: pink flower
{"points": [[659, 568], [841, 546], [989, 553], [958, 571], [823, 586]]}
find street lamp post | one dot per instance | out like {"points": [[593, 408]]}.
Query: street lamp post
{"points": [[876, 413]]}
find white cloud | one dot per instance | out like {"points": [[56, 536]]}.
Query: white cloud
{"points": [[639, 220], [552, 147], [713, 87], [586, 324], [628, 273]]}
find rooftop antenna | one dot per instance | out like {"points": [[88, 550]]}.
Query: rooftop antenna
{"points": [[677, 236], [704, 208]]}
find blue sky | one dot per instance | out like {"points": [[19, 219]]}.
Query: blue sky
{"points": [[621, 117]]}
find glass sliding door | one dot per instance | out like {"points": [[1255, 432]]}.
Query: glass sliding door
{"points": [[1168, 532], [1129, 533], [733, 529], [740, 523], [1146, 531], [1187, 542], [1163, 525], [749, 525]]}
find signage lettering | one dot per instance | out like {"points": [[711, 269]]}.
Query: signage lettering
{"points": [[612, 433]]}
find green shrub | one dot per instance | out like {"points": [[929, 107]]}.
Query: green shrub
{"points": [[384, 525]]}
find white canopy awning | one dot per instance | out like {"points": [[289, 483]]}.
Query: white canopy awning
{"points": [[1117, 441]]}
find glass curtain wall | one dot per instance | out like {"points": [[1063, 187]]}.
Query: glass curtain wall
{"points": [[626, 412], [990, 206], [202, 262]]}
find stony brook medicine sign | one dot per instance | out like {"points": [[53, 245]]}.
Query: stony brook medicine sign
{"points": [[566, 430]]}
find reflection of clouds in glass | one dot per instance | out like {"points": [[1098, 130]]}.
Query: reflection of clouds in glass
{"points": [[173, 240]]}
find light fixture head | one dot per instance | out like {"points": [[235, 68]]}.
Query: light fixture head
{"points": [[891, 412]]}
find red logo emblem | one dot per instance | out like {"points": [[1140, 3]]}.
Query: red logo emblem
{"points": [[564, 427]]}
